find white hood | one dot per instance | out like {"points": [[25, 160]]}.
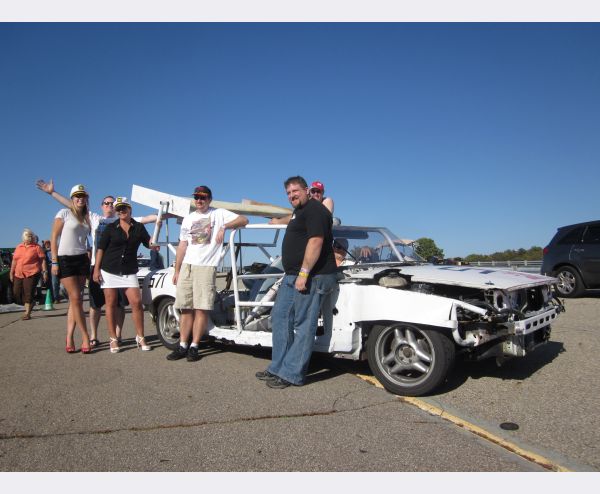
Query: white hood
{"points": [[467, 276], [475, 277]]}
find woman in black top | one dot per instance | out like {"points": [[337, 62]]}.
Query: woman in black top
{"points": [[116, 268]]}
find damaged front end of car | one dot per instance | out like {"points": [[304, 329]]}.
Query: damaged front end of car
{"points": [[514, 323], [493, 313]]}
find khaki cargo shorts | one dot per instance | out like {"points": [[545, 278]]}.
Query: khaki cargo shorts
{"points": [[196, 287]]}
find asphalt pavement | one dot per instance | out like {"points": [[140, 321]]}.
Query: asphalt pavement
{"points": [[136, 411]]}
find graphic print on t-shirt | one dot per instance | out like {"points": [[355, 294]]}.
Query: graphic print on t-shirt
{"points": [[200, 231]]}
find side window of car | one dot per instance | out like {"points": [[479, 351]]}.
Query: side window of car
{"points": [[592, 235], [572, 236]]}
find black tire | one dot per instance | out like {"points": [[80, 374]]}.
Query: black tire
{"points": [[409, 360], [167, 323], [569, 283]]}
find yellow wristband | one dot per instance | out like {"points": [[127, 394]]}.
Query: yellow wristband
{"points": [[303, 274]]}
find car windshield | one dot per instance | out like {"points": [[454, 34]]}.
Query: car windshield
{"points": [[372, 245]]}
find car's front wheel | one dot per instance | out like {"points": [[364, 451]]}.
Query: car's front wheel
{"points": [[569, 282], [409, 360], [167, 323]]}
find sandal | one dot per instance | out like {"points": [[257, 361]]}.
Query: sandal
{"points": [[115, 349], [71, 349], [141, 343], [26, 317], [94, 342], [86, 349]]}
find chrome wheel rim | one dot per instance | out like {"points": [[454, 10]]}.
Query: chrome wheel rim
{"points": [[566, 282], [405, 354], [168, 321]]}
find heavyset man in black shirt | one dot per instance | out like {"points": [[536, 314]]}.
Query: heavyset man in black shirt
{"points": [[310, 276]]}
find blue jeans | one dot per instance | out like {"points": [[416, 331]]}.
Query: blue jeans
{"points": [[294, 320]]}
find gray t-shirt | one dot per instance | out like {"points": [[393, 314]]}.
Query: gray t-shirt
{"points": [[73, 239]]}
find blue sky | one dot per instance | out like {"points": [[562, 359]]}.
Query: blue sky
{"points": [[483, 137]]}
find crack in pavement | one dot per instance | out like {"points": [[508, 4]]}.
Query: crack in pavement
{"points": [[9, 324], [335, 402], [6, 437]]}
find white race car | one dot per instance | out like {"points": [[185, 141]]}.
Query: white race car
{"points": [[408, 318]]}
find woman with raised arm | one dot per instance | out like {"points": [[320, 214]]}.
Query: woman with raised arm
{"points": [[71, 262]]}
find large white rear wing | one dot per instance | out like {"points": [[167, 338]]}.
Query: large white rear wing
{"points": [[182, 206]]}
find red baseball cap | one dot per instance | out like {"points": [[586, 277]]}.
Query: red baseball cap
{"points": [[318, 185], [203, 189]]}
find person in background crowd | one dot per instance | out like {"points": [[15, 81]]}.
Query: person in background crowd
{"points": [[310, 276], [198, 253], [28, 263], [116, 268], [70, 261], [53, 283], [98, 224], [156, 261]]}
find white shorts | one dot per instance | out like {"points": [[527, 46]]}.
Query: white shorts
{"points": [[110, 280]]}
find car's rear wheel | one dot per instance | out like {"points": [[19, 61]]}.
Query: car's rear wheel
{"points": [[569, 282], [409, 360], [167, 323]]}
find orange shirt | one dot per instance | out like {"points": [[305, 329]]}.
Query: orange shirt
{"points": [[28, 260]]}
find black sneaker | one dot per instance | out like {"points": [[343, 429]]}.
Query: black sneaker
{"points": [[178, 353], [278, 383], [192, 354], [265, 375]]}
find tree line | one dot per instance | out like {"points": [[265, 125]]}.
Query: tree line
{"points": [[427, 248], [532, 254]]}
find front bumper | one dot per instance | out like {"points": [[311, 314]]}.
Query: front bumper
{"points": [[513, 339], [528, 334]]}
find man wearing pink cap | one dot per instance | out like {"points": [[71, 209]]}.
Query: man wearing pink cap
{"points": [[317, 191]]}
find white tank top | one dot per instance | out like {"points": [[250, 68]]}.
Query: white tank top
{"points": [[73, 239]]}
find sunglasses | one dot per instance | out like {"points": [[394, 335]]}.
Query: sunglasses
{"points": [[122, 209], [107, 203], [316, 191], [79, 196], [201, 197]]}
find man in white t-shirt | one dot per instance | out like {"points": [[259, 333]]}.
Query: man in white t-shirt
{"points": [[198, 253], [98, 224]]}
